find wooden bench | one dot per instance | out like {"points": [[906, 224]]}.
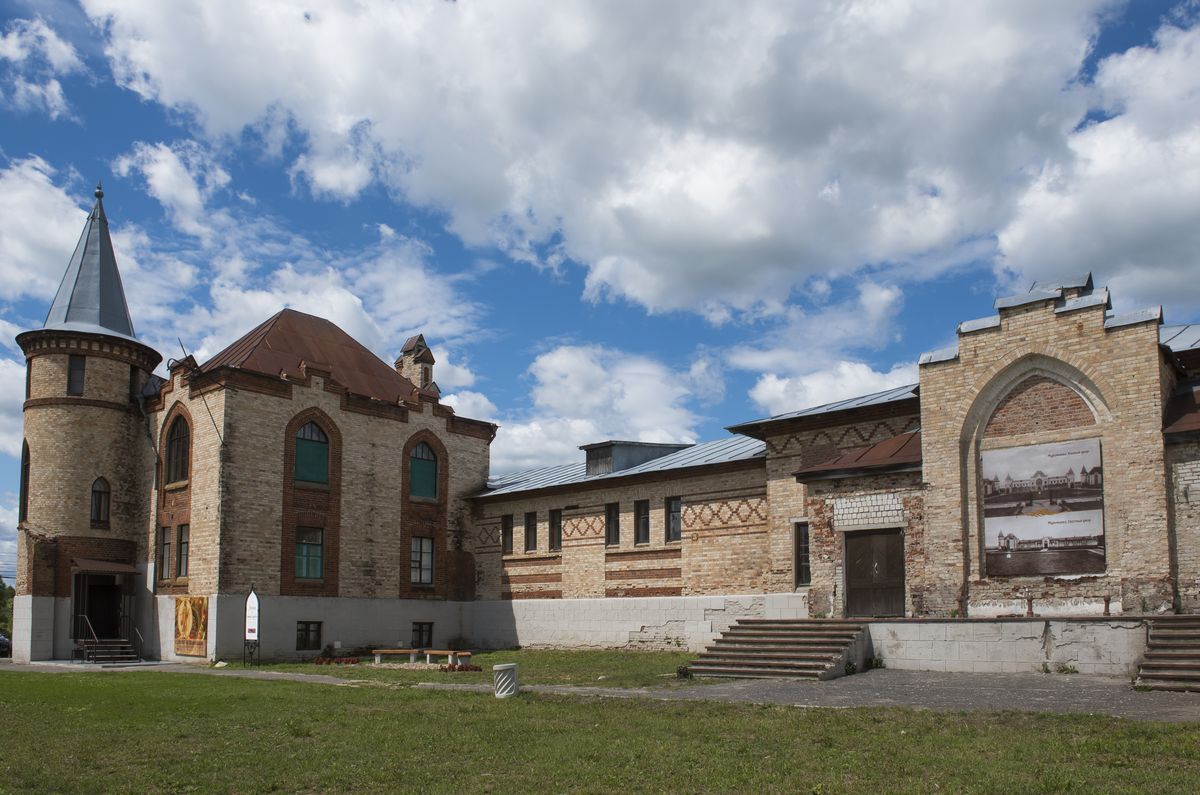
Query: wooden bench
{"points": [[454, 657]]}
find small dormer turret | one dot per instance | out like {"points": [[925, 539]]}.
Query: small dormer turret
{"points": [[416, 362]]}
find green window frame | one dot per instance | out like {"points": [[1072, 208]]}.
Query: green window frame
{"points": [[422, 472], [310, 553], [312, 455]]}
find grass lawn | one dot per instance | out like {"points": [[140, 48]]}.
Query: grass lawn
{"points": [[148, 731], [599, 668]]}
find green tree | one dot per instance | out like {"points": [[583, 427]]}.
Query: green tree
{"points": [[6, 607]]}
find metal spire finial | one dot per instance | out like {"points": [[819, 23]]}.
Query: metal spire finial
{"points": [[99, 190]]}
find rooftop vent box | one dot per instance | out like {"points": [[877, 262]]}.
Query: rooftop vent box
{"points": [[612, 456]]}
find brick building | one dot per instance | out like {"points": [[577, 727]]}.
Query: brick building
{"points": [[1049, 464]]}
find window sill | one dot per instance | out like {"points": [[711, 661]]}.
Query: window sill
{"points": [[305, 582], [309, 485], [425, 500], [100, 526], [178, 485]]}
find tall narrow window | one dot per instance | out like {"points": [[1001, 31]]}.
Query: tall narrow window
{"points": [[312, 454], [28, 378], [164, 553], [530, 531], [135, 384], [506, 522], [612, 524], [423, 472], [76, 368], [803, 571], [641, 522], [422, 561], [674, 517], [178, 442], [101, 497], [310, 553], [23, 510], [556, 528], [181, 550]]}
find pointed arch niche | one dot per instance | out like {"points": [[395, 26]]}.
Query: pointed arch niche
{"points": [[1034, 400]]}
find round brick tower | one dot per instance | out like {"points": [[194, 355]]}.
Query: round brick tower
{"points": [[87, 463]]}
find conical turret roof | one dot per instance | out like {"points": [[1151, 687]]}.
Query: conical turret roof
{"points": [[90, 298]]}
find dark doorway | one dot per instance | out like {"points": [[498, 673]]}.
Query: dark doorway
{"points": [[99, 597], [875, 573]]}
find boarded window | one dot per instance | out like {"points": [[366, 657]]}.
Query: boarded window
{"points": [[178, 443], [612, 524], [422, 472], [310, 553], [312, 454], [422, 561], [674, 517], [76, 368], [506, 528], [641, 522], [803, 570], [308, 636], [530, 531], [556, 528], [101, 499], [23, 511], [183, 547]]}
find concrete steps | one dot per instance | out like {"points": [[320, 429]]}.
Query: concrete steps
{"points": [[109, 651], [1172, 660], [757, 648]]}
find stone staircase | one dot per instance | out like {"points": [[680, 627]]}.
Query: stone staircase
{"points": [[762, 648], [109, 651], [1172, 659]]}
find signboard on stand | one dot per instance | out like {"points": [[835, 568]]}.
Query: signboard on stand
{"points": [[250, 646]]}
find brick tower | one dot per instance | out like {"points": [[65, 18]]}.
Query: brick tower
{"points": [[87, 464]]}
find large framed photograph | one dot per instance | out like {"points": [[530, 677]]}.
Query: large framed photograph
{"points": [[1043, 509]]}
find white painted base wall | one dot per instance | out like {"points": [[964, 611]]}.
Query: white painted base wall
{"points": [[664, 622], [1111, 648]]}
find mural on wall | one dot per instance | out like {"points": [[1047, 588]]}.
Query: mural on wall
{"points": [[1043, 509], [191, 626]]}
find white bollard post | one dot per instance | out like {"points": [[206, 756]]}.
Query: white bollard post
{"points": [[505, 680]]}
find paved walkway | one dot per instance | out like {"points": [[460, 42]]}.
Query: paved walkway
{"points": [[1033, 692]]}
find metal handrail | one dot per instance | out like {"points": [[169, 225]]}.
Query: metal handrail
{"points": [[140, 641], [88, 654]]}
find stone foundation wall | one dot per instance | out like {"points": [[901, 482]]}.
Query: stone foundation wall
{"points": [[1110, 648]]}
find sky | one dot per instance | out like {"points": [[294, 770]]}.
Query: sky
{"points": [[610, 219]]}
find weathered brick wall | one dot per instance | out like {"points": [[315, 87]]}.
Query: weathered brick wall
{"points": [[1038, 404], [373, 556], [1119, 373], [835, 507], [1184, 461], [73, 440], [196, 502], [722, 548], [787, 500]]}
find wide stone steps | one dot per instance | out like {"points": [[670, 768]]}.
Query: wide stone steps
{"points": [[779, 648], [1172, 660]]}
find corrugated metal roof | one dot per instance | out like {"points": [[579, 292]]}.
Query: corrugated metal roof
{"points": [[1180, 338], [90, 297], [874, 399], [722, 451]]}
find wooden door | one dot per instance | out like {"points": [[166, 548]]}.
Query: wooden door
{"points": [[875, 573]]}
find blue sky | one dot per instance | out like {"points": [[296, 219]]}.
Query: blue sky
{"points": [[611, 220]]}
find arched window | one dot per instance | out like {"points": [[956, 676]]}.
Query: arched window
{"points": [[101, 499], [178, 439], [312, 454], [23, 513], [422, 472]]}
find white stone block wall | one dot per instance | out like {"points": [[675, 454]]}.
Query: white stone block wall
{"points": [[1110, 648]]}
